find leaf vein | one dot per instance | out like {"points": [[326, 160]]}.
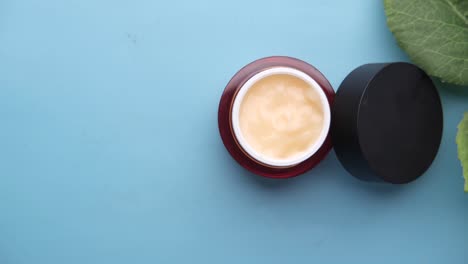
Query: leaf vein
{"points": [[430, 20], [458, 13]]}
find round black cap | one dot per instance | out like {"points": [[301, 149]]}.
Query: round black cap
{"points": [[387, 122]]}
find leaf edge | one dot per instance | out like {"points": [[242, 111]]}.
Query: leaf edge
{"points": [[459, 140]]}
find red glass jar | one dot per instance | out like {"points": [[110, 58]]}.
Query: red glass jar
{"points": [[225, 111]]}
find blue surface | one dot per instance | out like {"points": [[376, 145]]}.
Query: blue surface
{"points": [[110, 153]]}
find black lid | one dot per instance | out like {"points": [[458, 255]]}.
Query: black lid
{"points": [[387, 122]]}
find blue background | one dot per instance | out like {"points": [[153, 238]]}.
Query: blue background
{"points": [[110, 152]]}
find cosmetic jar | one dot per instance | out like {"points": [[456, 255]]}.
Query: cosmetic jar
{"points": [[279, 117]]}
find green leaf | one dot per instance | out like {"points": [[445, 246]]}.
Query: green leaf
{"points": [[462, 142], [434, 33]]}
